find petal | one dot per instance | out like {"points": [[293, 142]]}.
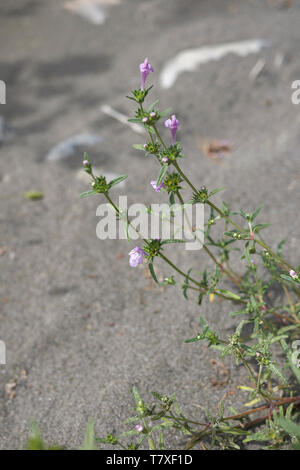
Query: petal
{"points": [[133, 263]]}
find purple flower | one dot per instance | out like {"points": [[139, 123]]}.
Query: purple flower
{"points": [[145, 69], [136, 256], [155, 187], [173, 125], [165, 159], [85, 163], [139, 428], [293, 274]]}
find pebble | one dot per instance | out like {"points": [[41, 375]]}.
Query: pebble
{"points": [[67, 147], [95, 11], [189, 59]]}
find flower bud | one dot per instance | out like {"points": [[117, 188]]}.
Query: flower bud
{"points": [[145, 69], [173, 125], [293, 274], [139, 428]]}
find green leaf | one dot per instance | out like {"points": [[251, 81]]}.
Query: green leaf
{"points": [[162, 174], [117, 180], [133, 419], [279, 247], [157, 416], [289, 279], [89, 440], [194, 340], [257, 228], [185, 285], [290, 427], [221, 411], [135, 120], [258, 436], [215, 191], [158, 396], [200, 298], [141, 440], [152, 106], [240, 326], [255, 214], [289, 353], [247, 253], [88, 193], [228, 293], [238, 312], [133, 432], [151, 444], [172, 240], [277, 372], [165, 112], [177, 409], [161, 444], [35, 441], [225, 208], [296, 445], [139, 146], [137, 397]]}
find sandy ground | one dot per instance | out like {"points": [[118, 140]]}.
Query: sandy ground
{"points": [[83, 325]]}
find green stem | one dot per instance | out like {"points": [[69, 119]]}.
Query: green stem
{"points": [[210, 254], [166, 259], [119, 213], [267, 248], [159, 137], [151, 138], [225, 217], [179, 270], [112, 203], [263, 395], [187, 420], [259, 377], [221, 213], [183, 176], [151, 442], [249, 369], [203, 290]]}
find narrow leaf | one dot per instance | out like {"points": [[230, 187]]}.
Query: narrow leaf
{"points": [[88, 193], [162, 174], [117, 180], [89, 440]]}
